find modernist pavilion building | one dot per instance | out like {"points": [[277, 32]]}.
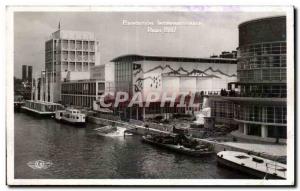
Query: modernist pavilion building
{"points": [[260, 107], [170, 75]]}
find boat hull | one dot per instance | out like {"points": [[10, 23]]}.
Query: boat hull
{"points": [[77, 124], [178, 150], [244, 169]]}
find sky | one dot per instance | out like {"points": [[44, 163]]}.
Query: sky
{"points": [[216, 32]]}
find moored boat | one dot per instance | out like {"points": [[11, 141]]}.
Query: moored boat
{"points": [[71, 116], [41, 108], [18, 103], [169, 143], [251, 164]]}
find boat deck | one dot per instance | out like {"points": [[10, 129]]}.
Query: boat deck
{"points": [[261, 164]]}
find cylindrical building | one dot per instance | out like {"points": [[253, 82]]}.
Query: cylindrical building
{"points": [[260, 109]]}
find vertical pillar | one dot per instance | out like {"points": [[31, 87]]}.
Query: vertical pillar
{"points": [[245, 129], [264, 131], [144, 113], [36, 89]]}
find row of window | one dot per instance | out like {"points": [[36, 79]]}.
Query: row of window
{"points": [[70, 44], [222, 109], [81, 101], [79, 88], [272, 131], [263, 49], [78, 45], [70, 56], [257, 113], [262, 90], [123, 76], [261, 62], [261, 75], [77, 66]]}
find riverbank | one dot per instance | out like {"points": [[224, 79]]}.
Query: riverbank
{"points": [[270, 151]]}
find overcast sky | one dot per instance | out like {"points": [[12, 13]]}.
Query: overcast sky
{"points": [[217, 32]]}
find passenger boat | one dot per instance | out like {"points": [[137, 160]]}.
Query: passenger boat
{"points": [[169, 143], [71, 116], [41, 108], [251, 164]]}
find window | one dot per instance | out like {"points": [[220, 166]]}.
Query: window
{"points": [[277, 131], [254, 130]]}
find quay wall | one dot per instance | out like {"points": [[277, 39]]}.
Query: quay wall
{"points": [[136, 129], [159, 129]]}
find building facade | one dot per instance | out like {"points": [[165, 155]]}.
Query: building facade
{"points": [[169, 75], [67, 54], [260, 108], [81, 93]]}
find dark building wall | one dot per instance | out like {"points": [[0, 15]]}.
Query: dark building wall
{"points": [[262, 30], [29, 76], [24, 72]]}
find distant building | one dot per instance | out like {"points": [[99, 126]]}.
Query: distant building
{"points": [[226, 54], [69, 55], [29, 74], [26, 73], [27, 82]]}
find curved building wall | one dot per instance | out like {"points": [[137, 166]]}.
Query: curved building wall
{"points": [[261, 73], [262, 57], [262, 30]]}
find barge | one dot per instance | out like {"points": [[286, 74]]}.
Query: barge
{"points": [[41, 108], [169, 143]]}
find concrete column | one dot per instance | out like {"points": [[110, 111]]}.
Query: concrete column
{"points": [[264, 131], [144, 113], [245, 129]]}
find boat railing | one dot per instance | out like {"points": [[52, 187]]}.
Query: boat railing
{"points": [[275, 167]]}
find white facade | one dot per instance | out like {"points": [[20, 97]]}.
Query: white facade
{"points": [[103, 72], [69, 55], [176, 77]]}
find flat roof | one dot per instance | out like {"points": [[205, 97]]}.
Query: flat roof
{"points": [[135, 57], [83, 81]]}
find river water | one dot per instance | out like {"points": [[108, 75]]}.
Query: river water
{"points": [[82, 153]]}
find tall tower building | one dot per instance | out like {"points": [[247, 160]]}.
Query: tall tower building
{"points": [[68, 53], [29, 74], [24, 72]]}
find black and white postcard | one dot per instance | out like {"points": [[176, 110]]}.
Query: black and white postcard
{"points": [[179, 95]]}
